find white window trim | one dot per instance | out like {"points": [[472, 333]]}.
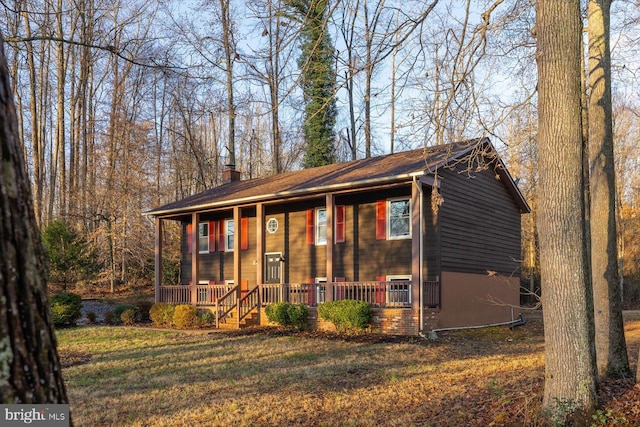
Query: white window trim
{"points": [[226, 235], [389, 201], [317, 228], [202, 237], [398, 277], [392, 291], [320, 280]]}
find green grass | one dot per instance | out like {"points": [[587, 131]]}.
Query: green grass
{"points": [[136, 376]]}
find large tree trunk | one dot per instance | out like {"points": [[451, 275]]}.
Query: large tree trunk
{"points": [[29, 365], [566, 297], [611, 349]]}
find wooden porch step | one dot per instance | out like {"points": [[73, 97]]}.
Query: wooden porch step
{"points": [[231, 323]]}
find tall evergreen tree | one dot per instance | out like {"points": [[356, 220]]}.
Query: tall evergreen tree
{"points": [[318, 81]]}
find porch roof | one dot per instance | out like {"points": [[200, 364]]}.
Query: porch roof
{"points": [[363, 173]]}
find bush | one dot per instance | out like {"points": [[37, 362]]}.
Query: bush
{"points": [[286, 314], [144, 307], [66, 308], [298, 316], [161, 314], [185, 316], [277, 313], [128, 317], [121, 308], [91, 316], [108, 318], [207, 318], [347, 315]]}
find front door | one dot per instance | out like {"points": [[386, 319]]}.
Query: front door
{"points": [[273, 267]]}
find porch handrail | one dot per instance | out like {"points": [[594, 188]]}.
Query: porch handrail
{"points": [[247, 303], [378, 294], [208, 294], [175, 294], [226, 304]]}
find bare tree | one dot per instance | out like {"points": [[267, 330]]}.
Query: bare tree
{"points": [[611, 349], [30, 370], [566, 295]]}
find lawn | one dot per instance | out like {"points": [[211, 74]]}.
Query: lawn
{"points": [[139, 376]]}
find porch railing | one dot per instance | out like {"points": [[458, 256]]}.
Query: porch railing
{"points": [[208, 294], [248, 303], [225, 305], [431, 292], [378, 294], [179, 294]]}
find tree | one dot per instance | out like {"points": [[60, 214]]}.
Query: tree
{"points": [[30, 370], [318, 81], [611, 349], [68, 255], [566, 296]]}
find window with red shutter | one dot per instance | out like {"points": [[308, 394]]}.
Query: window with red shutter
{"points": [[189, 238], [212, 236], [340, 223], [244, 233], [311, 237], [381, 220], [220, 231]]}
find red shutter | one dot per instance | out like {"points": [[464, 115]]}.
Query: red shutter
{"points": [[189, 238], [340, 226], [221, 232], [212, 236], [381, 220], [244, 233], [311, 238]]}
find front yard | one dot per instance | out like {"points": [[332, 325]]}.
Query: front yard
{"points": [[136, 376]]}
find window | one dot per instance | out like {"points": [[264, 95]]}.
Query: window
{"points": [[321, 226], [399, 219], [398, 290], [203, 237], [229, 234]]}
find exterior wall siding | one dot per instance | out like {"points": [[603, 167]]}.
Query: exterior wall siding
{"points": [[479, 223], [380, 257]]}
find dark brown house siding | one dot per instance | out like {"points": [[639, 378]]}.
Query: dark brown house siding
{"points": [[431, 238], [376, 258], [479, 223], [218, 266]]}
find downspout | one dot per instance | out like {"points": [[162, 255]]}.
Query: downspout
{"points": [[512, 323], [421, 249]]}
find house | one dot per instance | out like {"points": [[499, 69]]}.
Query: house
{"points": [[430, 237]]}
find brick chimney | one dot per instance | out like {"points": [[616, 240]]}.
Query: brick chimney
{"points": [[230, 174]]}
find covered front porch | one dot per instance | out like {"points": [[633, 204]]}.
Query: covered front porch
{"points": [[234, 307]]}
